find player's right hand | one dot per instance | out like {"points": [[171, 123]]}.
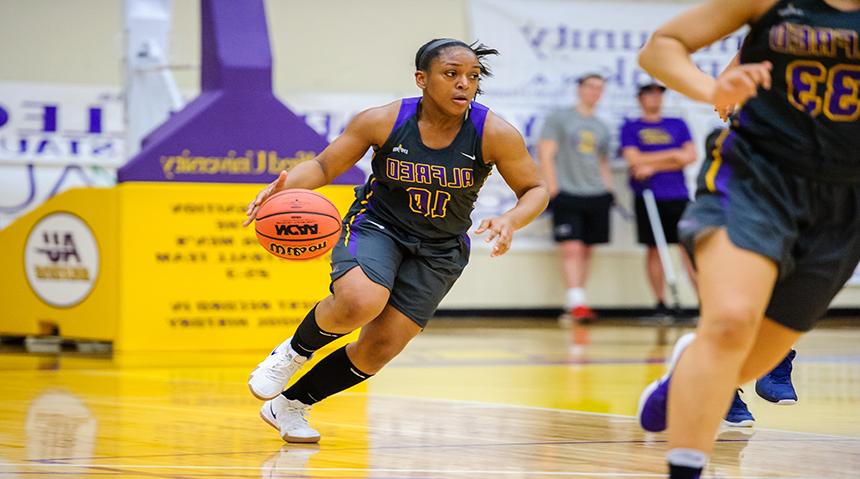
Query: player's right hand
{"points": [[739, 83], [262, 196]]}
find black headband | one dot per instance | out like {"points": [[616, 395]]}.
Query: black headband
{"points": [[435, 45]]}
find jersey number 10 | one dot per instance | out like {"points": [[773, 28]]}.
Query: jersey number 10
{"points": [[841, 99], [426, 203]]}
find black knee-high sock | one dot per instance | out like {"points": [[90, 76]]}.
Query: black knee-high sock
{"points": [[683, 472], [331, 375], [309, 337], [686, 463]]}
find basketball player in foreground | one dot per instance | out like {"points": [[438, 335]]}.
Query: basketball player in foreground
{"points": [[404, 241], [774, 226]]}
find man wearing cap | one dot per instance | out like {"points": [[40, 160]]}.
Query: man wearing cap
{"points": [[573, 151], [657, 149]]}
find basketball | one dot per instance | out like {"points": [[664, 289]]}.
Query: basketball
{"points": [[297, 224]]}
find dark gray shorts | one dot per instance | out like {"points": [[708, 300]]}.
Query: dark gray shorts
{"points": [[811, 229], [417, 272]]}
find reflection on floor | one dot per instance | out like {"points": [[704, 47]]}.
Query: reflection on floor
{"points": [[468, 399]]}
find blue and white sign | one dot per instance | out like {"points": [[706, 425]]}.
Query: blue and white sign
{"points": [[54, 137], [59, 124]]}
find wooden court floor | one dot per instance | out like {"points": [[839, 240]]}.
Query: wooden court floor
{"points": [[467, 399]]}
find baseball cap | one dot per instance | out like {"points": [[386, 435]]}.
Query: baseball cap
{"points": [[650, 86]]}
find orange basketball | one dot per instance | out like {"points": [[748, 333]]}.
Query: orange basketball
{"points": [[297, 224]]}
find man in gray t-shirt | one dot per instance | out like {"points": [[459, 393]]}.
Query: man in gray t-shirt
{"points": [[574, 154]]}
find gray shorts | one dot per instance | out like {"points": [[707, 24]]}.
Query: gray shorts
{"points": [[809, 228], [417, 272]]}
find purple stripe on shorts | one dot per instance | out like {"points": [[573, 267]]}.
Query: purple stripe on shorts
{"points": [[353, 233], [722, 184], [724, 174]]}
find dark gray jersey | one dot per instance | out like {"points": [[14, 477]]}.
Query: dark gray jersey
{"points": [[425, 192], [809, 120]]}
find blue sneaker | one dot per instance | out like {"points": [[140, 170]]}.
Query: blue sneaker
{"points": [[738, 415], [776, 385], [653, 401]]}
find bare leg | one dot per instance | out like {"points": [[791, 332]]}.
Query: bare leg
{"points": [[575, 256], [381, 340], [356, 301], [654, 268], [735, 287], [688, 266], [586, 265], [771, 345]]}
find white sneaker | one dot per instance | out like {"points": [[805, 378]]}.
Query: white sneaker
{"points": [[289, 417], [273, 373]]}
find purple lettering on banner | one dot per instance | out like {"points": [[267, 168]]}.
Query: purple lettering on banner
{"points": [[50, 118], [95, 120], [4, 116], [47, 118], [236, 131]]}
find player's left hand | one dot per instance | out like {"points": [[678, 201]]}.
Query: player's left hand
{"points": [[501, 230], [724, 111]]}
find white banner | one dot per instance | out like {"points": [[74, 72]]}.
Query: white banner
{"points": [[546, 45], [57, 124]]}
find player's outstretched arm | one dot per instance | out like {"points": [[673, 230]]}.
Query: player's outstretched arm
{"points": [[366, 129], [504, 146], [666, 55]]}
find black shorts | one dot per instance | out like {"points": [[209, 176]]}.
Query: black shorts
{"points": [[417, 272], [809, 228], [670, 213], [583, 218]]}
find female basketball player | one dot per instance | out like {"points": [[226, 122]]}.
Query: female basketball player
{"points": [[774, 227], [404, 240]]}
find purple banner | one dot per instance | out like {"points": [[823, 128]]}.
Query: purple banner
{"points": [[236, 131]]}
